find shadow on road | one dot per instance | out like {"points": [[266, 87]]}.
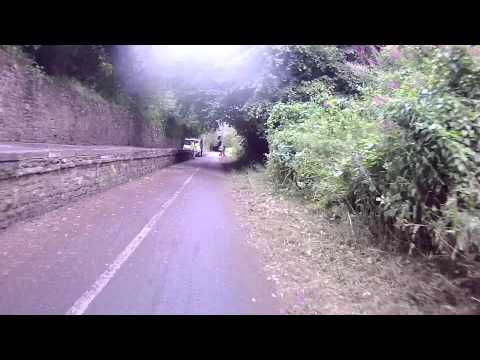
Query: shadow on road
{"points": [[212, 162]]}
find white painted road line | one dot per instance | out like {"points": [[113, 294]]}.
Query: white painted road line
{"points": [[81, 305]]}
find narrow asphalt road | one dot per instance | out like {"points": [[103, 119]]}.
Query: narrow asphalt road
{"points": [[167, 243]]}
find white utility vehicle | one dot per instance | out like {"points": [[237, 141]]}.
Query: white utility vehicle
{"points": [[187, 145]]}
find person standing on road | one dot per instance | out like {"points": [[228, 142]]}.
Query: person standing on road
{"points": [[222, 150], [193, 148]]}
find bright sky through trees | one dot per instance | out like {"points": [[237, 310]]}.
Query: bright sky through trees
{"points": [[201, 52]]}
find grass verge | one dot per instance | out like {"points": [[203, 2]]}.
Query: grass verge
{"points": [[327, 265]]}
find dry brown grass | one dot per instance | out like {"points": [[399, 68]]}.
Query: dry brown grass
{"points": [[322, 266]]}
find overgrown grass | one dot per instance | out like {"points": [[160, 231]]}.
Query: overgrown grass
{"points": [[21, 58], [83, 90], [324, 263], [25, 61]]}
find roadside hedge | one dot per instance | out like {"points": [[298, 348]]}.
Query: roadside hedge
{"points": [[404, 155]]}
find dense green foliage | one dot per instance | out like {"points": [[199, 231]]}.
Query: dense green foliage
{"points": [[186, 97], [281, 74], [391, 132], [403, 153]]}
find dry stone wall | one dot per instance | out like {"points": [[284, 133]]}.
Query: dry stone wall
{"points": [[37, 112], [32, 183]]}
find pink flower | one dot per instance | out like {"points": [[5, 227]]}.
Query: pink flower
{"points": [[394, 85], [395, 54], [378, 100]]}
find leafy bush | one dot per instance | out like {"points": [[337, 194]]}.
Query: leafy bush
{"points": [[428, 181], [404, 154], [311, 145]]}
